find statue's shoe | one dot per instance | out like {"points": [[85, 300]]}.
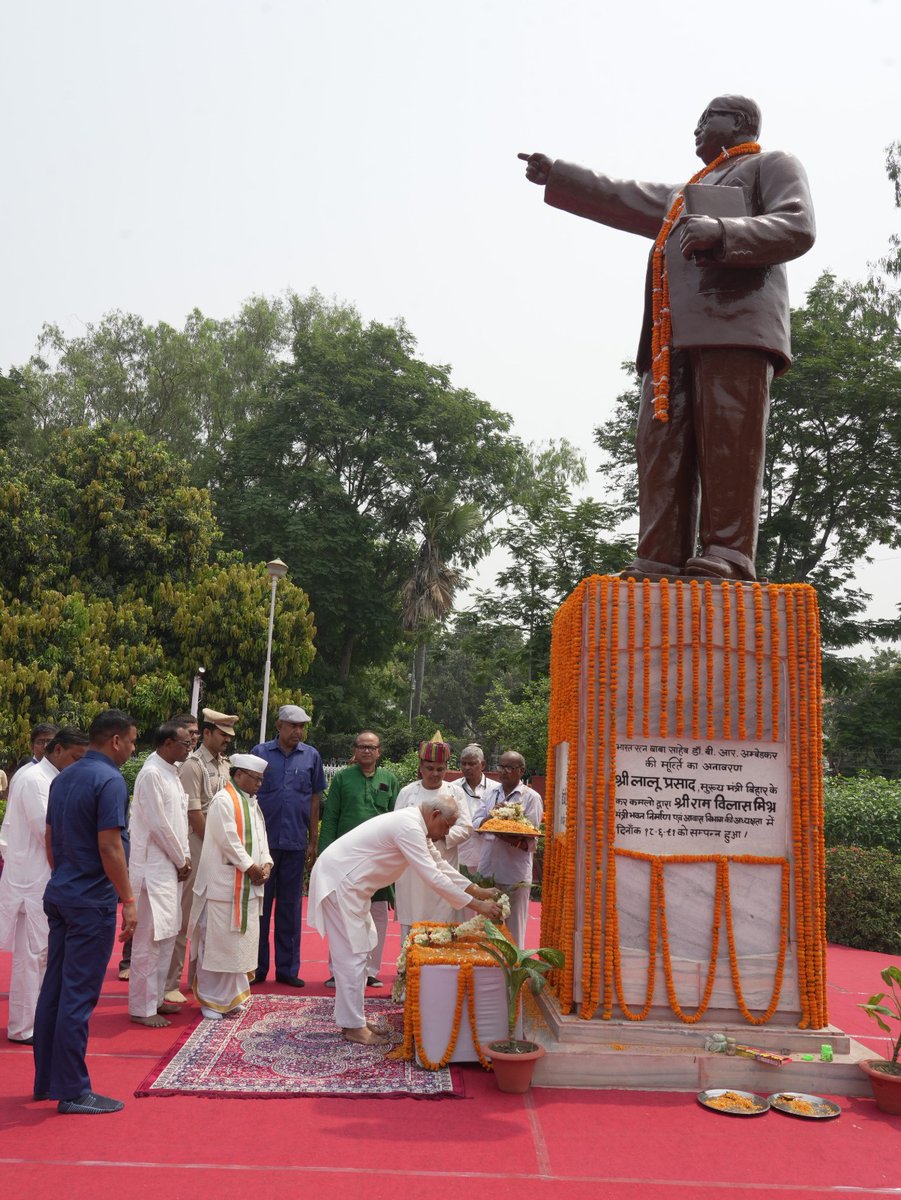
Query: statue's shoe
{"points": [[712, 566]]}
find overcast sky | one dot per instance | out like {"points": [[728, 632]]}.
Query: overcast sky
{"points": [[164, 155]]}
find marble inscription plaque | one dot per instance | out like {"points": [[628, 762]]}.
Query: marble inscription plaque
{"points": [[679, 796], [561, 776]]}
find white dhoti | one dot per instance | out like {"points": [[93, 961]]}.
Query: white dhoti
{"points": [[150, 958], [378, 910], [226, 959], [350, 966]]}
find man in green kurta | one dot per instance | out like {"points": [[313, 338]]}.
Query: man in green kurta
{"points": [[362, 790]]}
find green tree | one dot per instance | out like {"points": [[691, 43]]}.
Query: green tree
{"points": [[427, 596], [332, 473], [518, 725], [109, 597], [187, 387], [863, 722]]}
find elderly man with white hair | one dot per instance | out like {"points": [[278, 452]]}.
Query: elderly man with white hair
{"points": [[473, 785], [356, 865], [228, 893]]}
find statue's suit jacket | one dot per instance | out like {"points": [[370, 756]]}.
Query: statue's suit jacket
{"points": [[740, 296]]}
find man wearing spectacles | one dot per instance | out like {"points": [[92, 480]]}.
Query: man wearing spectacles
{"points": [[506, 858], [158, 865], [362, 790]]}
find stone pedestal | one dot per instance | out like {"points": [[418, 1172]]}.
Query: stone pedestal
{"points": [[684, 858]]}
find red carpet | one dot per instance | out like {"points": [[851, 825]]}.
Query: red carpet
{"points": [[288, 1046], [548, 1145]]}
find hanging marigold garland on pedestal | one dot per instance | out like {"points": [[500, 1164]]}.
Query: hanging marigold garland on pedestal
{"points": [[590, 628]]}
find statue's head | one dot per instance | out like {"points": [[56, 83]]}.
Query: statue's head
{"points": [[726, 121]]}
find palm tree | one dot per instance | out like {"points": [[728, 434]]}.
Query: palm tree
{"points": [[427, 597]]}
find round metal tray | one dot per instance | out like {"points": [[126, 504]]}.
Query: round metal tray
{"points": [[761, 1102], [824, 1110]]}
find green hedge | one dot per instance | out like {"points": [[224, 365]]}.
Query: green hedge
{"points": [[863, 811], [863, 898]]}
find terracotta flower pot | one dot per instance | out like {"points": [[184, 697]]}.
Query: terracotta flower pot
{"points": [[513, 1071], [886, 1087]]}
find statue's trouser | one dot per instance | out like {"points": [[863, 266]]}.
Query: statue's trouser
{"points": [[700, 473]]}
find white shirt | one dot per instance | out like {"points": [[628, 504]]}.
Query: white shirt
{"points": [[505, 863], [470, 851], [372, 856], [25, 866]]}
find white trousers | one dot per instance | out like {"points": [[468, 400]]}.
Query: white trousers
{"points": [[349, 966], [379, 911], [150, 961], [26, 977]]}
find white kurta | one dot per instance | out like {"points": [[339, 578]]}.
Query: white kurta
{"points": [[414, 898], [342, 883], [158, 829], [158, 826], [372, 856], [23, 925], [225, 955]]}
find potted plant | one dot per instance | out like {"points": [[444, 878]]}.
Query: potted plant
{"points": [[514, 1059], [885, 1074]]}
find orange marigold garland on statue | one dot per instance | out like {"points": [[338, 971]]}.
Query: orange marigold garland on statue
{"points": [[662, 331]]}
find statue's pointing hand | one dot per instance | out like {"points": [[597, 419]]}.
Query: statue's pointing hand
{"points": [[539, 167]]}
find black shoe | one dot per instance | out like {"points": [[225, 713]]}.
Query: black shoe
{"points": [[90, 1104], [290, 980], [40, 1096], [258, 978], [22, 1041], [373, 981], [330, 982]]}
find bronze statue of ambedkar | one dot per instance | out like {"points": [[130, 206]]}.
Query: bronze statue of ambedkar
{"points": [[716, 344]]}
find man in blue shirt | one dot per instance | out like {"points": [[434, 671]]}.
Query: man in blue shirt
{"points": [[289, 799], [85, 824]]}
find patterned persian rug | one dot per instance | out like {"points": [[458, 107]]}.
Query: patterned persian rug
{"points": [[284, 1046]]}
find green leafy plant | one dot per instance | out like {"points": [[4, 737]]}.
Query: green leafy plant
{"points": [[875, 1008], [520, 967], [863, 811], [863, 898]]}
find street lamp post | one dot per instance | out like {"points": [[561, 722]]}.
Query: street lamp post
{"points": [[276, 570]]}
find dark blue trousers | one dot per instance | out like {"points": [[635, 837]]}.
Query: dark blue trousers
{"points": [[81, 942], [284, 889]]}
